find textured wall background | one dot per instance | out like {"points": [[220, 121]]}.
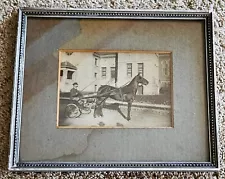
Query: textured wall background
{"points": [[8, 27]]}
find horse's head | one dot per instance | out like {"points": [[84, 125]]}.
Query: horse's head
{"points": [[141, 80]]}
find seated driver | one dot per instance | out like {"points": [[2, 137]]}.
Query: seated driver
{"points": [[75, 94]]}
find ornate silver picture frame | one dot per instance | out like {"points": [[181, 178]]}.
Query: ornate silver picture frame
{"points": [[187, 142]]}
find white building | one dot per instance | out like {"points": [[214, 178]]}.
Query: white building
{"points": [[84, 73], [104, 69], [131, 64], [96, 69], [67, 76]]}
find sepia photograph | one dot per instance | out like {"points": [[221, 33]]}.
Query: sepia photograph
{"points": [[114, 89]]}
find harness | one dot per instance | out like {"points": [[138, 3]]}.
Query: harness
{"points": [[107, 94]]}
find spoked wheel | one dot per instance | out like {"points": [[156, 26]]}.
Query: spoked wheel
{"points": [[72, 110], [86, 110]]}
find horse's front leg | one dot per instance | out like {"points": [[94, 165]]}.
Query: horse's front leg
{"points": [[97, 107], [128, 110]]}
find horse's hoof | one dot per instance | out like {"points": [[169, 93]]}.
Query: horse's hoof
{"points": [[128, 119]]}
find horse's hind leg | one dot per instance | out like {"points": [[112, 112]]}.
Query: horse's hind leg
{"points": [[101, 113], [97, 111], [102, 105], [98, 108]]}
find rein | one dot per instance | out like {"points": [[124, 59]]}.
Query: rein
{"points": [[88, 85]]}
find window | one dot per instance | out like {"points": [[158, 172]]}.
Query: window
{"points": [[103, 72], [129, 69], [95, 88], [96, 62], [61, 72], [95, 75], [113, 72], [70, 75], [141, 68], [165, 68]]}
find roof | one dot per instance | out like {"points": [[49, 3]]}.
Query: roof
{"points": [[68, 65], [104, 54]]}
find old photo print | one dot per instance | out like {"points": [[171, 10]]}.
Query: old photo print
{"points": [[114, 89]]}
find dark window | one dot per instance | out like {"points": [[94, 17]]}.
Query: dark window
{"points": [[129, 69], [95, 88], [70, 75], [96, 62], [141, 68], [61, 72], [95, 75], [113, 72], [103, 72], [165, 68]]}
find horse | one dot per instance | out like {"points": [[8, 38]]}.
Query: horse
{"points": [[126, 93]]}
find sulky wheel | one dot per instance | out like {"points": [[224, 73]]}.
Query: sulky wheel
{"points": [[72, 110]]}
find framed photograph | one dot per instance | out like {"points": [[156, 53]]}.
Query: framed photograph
{"points": [[114, 90], [120, 89]]}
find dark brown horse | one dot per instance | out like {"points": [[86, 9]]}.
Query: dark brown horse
{"points": [[125, 93]]}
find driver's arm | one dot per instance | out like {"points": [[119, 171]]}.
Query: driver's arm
{"points": [[79, 94], [71, 94]]}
